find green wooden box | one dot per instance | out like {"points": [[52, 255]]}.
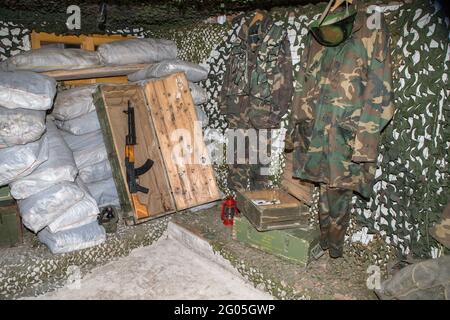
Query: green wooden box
{"points": [[299, 245], [5, 197], [10, 226], [272, 209]]}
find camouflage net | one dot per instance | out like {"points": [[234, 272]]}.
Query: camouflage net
{"points": [[411, 186]]}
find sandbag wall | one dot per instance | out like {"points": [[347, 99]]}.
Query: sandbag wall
{"points": [[75, 116], [40, 168]]}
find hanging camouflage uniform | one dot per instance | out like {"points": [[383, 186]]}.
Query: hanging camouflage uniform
{"points": [[343, 102], [257, 90]]}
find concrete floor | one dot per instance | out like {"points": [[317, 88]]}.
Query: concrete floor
{"points": [[168, 269]]}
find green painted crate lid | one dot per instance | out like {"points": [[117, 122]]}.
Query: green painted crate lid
{"points": [[5, 196], [299, 245]]}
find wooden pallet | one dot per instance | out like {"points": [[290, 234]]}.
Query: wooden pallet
{"points": [[86, 42]]}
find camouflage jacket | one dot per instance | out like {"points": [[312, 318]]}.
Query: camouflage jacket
{"points": [[342, 103], [257, 87]]}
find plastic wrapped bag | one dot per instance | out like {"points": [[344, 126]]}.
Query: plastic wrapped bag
{"points": [[199, 95], [74, 103], [96, 172], [20, 126], [81, 213], [59, 167], [19, 161], [82, 125], [74, 239], [194, 72], [26, 90], [104, 193], [137, 51], [84, 141], [90, 156], [47, 59], [201, 116], [42, 208]]}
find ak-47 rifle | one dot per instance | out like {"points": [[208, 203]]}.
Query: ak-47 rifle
{"points": [[133, 173]]}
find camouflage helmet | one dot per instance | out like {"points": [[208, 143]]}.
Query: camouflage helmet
{"points": [[334, 28]]}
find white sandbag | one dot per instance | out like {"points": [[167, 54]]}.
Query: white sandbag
{"points": [[194, 72], [19, 161], [82, 125], [42, 208], [81, 213], [199, 95], [104, 193], [90, 155], [73, 103], [84, 141], [201, 116], [47, 59], [26, 90], [133, 51], [74, 239], [20, 126], [96, 172], [59, 167]]}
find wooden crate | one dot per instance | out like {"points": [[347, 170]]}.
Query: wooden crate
{"points": [[286, 212], [300, 189], [299, 245], [172, 187]]}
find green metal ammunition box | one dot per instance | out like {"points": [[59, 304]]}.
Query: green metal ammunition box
{"points": [[5, 197], [10, 226], [299, 245]]}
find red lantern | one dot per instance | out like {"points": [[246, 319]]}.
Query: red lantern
{"points": [[229, 210]]}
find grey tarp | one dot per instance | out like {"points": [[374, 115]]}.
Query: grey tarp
{"points": [[59, 167], [26, 90], [104, 192], [38, 210], [19, 161], [20, 126], [73, 103], [134, 51], [77, 143], [74, 239], [194, 72], [82, 125], [96, 172], [47, 59]]}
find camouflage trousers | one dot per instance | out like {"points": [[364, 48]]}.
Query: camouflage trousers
{"points": [[244, 174], [334, 218]]}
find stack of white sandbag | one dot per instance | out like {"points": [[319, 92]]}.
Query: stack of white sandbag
{"points": [[24, 99], [77, 119], [37, 163], [194, 73], [51, 199]]}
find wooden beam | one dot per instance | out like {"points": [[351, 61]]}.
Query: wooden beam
{"points": [[98, 72]]}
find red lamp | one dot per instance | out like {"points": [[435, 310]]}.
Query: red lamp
{"points": [[229, 210]]}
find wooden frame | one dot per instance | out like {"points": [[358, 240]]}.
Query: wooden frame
{"points": [[86, 42], [173, 186]]}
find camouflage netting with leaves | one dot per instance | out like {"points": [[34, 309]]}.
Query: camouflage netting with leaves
{"points": [[411, 186]]}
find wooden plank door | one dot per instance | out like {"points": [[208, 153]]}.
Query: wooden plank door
{"points": [[179, 133]]}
